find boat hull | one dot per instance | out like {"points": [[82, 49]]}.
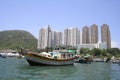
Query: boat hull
{"points": [[35, 60]]}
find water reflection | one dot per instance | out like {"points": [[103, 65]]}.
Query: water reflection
{"points": [[48, 71]]}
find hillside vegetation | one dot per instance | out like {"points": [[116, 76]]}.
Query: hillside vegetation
{"points": [[15, 39]]}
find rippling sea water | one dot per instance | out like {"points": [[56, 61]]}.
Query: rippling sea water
{"points": [[19, 69]]}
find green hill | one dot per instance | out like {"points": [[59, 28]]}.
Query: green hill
{"points": [[15, 39]]}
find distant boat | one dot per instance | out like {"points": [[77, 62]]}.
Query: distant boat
{"points": [[2, 56], [85, 59], [45, 58]]}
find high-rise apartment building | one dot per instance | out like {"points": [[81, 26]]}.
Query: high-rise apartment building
{"points": [[49, 38], [93, 34], [41, 39], [105, 35], [75, 36], [85, 35], [45, 38], [58, 38], [66, 36], [71, 36]]}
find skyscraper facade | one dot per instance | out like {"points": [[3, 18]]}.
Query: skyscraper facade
{"points": [[66, 37], [85, 35], [45, 38], [93, 34], [71, 36], [49, 38], [105, 35], [41, 39], [58, 38], [75, 39]]}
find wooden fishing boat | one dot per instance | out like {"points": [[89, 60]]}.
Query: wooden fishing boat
{"points": [[41, 59]]}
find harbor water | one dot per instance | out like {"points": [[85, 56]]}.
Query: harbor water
{"points": [[18, 69]]}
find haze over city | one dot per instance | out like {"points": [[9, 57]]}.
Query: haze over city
{"points": [[32, 15]]}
